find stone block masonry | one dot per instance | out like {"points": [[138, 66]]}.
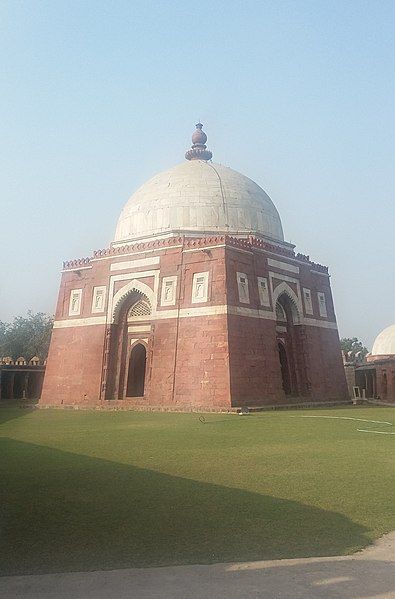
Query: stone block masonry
{"points": [[218, 323]]}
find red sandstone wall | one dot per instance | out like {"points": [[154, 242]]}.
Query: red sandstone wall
{"points": [[74, 366], [187, 366], [188, 362], [324, 364], [205, 360], [255, 372], [202, 363], [255, 376], [161, 360]]}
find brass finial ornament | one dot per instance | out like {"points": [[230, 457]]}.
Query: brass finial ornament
{"points": [[199, 149]]}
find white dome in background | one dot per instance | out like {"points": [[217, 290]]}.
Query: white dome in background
{"points": [[198, 197], [384, 344]]}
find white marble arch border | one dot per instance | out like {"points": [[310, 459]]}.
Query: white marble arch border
{"points": [[284, 288], [133, 285]]}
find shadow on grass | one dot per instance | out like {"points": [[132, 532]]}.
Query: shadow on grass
{"points": [[15, 408], [66, 512]]}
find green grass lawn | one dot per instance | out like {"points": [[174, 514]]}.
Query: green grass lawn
{"points": [[96, 490]]}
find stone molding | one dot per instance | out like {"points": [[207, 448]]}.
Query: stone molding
{"points": [[204, 311], [190, 243]]}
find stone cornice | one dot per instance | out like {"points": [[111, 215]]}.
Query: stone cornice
{"points": [[192, 242]]}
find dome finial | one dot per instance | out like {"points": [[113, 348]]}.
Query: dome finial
{"points": [[199, 149]]}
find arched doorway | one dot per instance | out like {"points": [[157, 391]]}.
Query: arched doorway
{"points": [[136, 372], [284, 369], [287, 315], [125, 375]]}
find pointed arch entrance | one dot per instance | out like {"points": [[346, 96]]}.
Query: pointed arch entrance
{"points": [[290, 346], [126, 375]]}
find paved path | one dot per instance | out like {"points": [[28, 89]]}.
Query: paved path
{"points": [[368, 574]]}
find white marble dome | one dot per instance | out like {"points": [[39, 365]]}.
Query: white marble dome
{"points": [[384, 344], [198, 197]]}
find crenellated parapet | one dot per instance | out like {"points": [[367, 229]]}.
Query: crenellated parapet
{"points": [[75, 263], [314, 265], [198, 242], [319, 267], [271, 247], [190, 242], [119, 250], [21, 361]]}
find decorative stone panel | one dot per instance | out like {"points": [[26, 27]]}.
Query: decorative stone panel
{"points": [[263, 290], [308, 304], [322, 304], [99, 299], [168, 294], [75, 302], [200, 287], [242, 285]]}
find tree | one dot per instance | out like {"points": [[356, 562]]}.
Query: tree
{"points": [[26, 336], [353, 349]]}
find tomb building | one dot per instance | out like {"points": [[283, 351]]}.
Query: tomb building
{"points": [[198, 303], [376, 377]]}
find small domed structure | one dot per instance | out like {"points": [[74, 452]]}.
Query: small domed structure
{"points": [[376, 378], [384, 344]]}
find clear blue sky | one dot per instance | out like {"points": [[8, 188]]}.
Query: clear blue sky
{"points": [[97, 96]]}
